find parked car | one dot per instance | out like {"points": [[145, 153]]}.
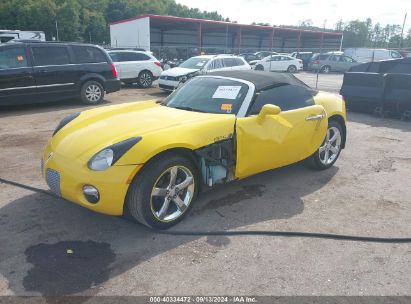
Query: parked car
{"points": [[136, 67], [261, 55], [304, 56], [368, 55], [148, 160], [249, 56], [279, 63], [171, 78], [382, 88], [47, 71], [326, 63]]}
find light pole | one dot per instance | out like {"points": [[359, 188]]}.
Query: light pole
{"points": [[57, 31], [402, 32]]}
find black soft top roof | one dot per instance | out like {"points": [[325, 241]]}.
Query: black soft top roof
{"points": [[262, 80]]}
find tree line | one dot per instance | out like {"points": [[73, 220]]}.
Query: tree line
{"points": [[365, 33], [87, 20]]}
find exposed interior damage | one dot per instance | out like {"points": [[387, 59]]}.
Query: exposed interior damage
{"points": [[217, 161]]}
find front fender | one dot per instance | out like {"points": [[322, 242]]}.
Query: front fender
{"points": [[192, 137]]}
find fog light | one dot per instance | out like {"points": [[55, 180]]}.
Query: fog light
{"points": [[91, 194]]}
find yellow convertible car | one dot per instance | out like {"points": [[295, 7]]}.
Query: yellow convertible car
{"points": [[149, 159]]}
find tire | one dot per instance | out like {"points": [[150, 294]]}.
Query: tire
{"points": [[150, 209], [92, 92], [259, 68], [292, 69], [317, 160], [145, 79], [325, 69]]}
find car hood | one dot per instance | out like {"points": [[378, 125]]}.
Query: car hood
{"points": [[96, 129], [175, 72]]}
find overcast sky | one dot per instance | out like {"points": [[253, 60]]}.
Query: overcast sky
{"points": [[290, 12]]}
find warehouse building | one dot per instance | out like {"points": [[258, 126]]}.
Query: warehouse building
{"points": [[154, 32]]}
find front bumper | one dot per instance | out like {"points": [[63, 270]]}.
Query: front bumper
{"points": [[112, 85], [168, 85], [67, 177]]}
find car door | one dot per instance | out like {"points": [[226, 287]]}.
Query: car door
{"points": [[55, 71], [278, 140], [285, 62], [273, 63], [16, 74]]}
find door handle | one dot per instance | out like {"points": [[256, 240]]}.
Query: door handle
{"points": [[315, 117]]}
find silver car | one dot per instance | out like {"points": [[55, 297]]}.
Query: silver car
{"points": [[326, 63]]}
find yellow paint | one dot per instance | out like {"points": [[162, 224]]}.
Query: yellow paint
{"points": [[133, 174], [273, 141], [263, 143]]}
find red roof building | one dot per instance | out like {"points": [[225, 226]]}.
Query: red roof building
{"points": [[152, 32]]}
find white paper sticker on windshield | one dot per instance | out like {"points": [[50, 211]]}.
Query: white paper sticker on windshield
{"points": [[227, 92], [200, 64]]}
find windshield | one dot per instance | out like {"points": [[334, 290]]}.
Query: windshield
{"points": [[209, 95], [194, 63]]}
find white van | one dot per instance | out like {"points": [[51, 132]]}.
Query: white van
{"points": [[367, 55]]}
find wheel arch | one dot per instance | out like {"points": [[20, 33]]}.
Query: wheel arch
{"points": [[181, 151], [339, 119], [92, 77], [144, 70]]}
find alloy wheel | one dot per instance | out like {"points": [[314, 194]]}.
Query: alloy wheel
{"points": [[93, 93], [331, 146], [145, 80], [172, 193]]}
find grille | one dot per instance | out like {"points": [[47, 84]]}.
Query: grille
{"points": [[168, 78], [53, 180]]}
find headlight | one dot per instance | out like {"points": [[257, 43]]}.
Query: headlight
{"points": [[108, 156], [183, 78], [65, 121], [102, 160]]}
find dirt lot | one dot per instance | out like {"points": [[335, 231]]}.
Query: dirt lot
{"points": [[367, 192]]}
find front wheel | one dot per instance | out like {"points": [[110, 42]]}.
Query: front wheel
{"points": [[163, 192], [259, 68], [330, 149], [325, 69], [292, 69]]}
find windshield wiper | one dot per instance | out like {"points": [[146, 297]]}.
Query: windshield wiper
{"points": [[189, 109]]}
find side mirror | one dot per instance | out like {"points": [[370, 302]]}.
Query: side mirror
{"points": [[268, 109]]}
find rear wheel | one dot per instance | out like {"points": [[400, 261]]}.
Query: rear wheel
{"points": [[145, 79], [92, 92], [292, 69], [325, 69], [161, 195], [330, 149]]}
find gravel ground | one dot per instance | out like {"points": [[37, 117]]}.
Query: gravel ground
{"points": [[366, 193]]}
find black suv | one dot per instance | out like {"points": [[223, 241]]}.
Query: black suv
{"points": [[51, 71]]}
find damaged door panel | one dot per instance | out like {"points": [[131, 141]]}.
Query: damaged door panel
{"points": [[217, 161], [278, 140]]}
